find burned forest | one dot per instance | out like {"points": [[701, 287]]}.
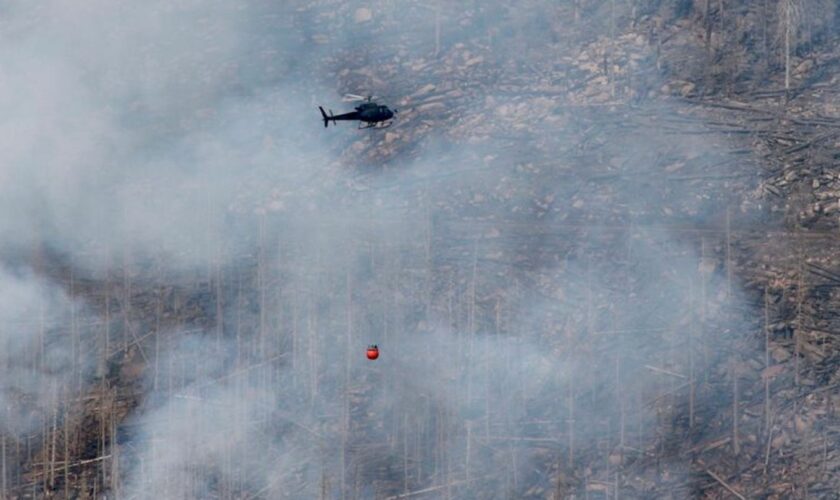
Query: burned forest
{"points": [[597, 249]]}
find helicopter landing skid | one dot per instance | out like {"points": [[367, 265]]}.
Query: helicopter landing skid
{"points": [[376, 125]]}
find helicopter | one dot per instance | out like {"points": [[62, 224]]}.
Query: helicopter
{"points": [[369, 113]]}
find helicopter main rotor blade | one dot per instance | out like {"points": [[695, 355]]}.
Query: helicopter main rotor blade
{"points": [[356, 97]]}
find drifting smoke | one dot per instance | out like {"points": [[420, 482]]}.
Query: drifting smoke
{"points": [[125, 130], [184, 134], [44, 349]]}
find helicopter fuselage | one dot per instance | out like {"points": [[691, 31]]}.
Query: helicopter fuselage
{"points": [[369, 113], [373, 113]]}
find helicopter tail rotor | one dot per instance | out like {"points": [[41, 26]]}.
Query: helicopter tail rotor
{"points": [[325, 117]]}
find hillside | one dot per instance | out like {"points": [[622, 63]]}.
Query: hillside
{"points": [[597, 250]]}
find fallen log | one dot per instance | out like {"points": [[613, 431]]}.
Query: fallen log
{"points": [[725, 485]]}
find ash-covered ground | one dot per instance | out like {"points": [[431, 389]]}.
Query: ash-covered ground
{"points": [[596, 250]]}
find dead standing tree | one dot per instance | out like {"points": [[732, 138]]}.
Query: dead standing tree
{"points": [[789, 12]]}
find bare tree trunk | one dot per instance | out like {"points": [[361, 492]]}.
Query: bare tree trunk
{"points": [[75, 335], [158, 316], [703, 341], [787, 9], [295, 304], [53, 445], [313, 331], [617, 486], [620, 396], [437, 29], [115, 456], [691, 387], [103, 410], [346, 412], [797, 332], [261, 280], [107, 350], [3, 485], [728, 255], [66, 432], [469, 449], [766, 362], [40, 357], [405, 452], [220, 315], [239, 307], [325, 483], [608, 57], [707, 22], [571, 423], [764, 38], [126, 298], [736, 411], [471, 323]]}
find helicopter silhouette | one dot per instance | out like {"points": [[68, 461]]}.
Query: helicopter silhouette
{"points": [[369, 114]]}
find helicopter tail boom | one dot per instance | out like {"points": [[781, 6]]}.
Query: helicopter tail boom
{"points": [[353, 115]]}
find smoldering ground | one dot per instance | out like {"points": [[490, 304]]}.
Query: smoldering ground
{"points": [[184, 135]]}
